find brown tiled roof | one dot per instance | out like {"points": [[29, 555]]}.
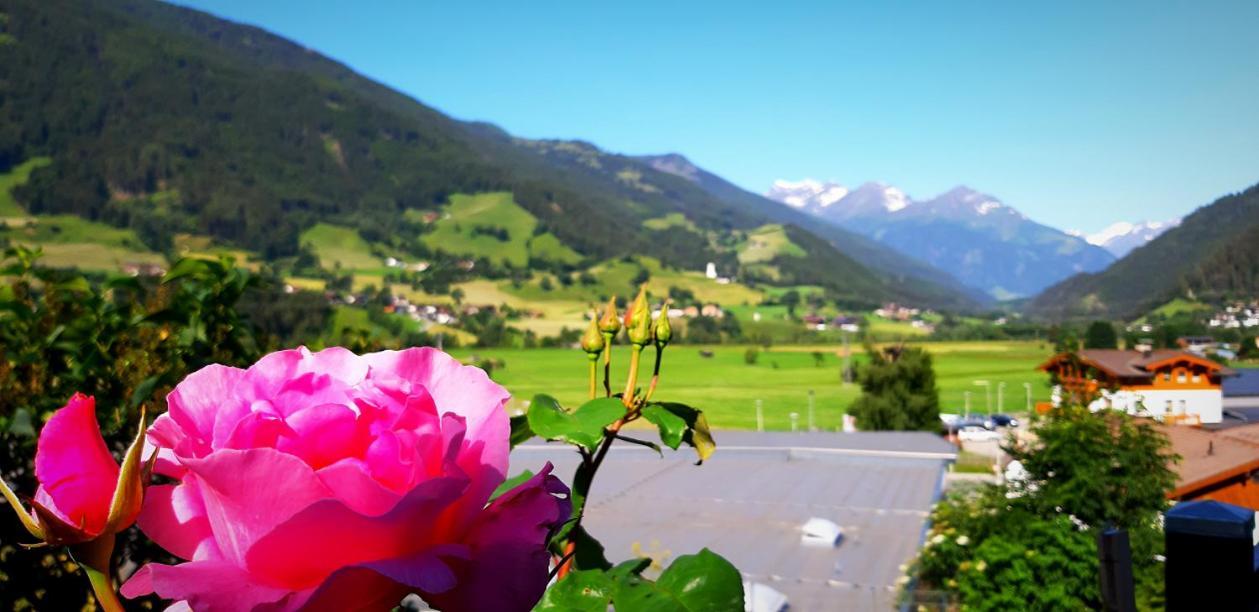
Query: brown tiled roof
{"points": [[1207, 457], [1132, 364]]}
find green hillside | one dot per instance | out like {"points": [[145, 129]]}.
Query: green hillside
{"points": [[167, 121], [493, 226], [1212, 253]]}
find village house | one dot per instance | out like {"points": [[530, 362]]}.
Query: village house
{"points": [[1169, 385]]}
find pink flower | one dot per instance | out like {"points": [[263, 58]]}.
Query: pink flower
{"points": [[332, 481], [81, 495]]}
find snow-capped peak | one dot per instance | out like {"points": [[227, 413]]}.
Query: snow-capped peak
{"points": [[894, 199], [807, 193], [1121, 237], [987, 206]]}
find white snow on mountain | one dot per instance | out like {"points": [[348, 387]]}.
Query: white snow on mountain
{"points": [[1121, 237], [809, 193], [894, 199]]}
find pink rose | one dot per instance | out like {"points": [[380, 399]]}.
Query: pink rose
{"points": [[81, 497], [331, 481]]}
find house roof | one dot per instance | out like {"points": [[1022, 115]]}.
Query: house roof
{"points": [[749, 501], [1136, 364], [1244, 384], [1209, 457]]}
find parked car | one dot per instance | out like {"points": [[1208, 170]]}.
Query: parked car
{"points": [[977, 434], [974, 421], [1004, 420]]}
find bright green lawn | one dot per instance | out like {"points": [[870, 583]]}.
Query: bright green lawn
{"points": [[727, 388]]}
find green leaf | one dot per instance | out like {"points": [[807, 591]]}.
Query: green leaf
{"points": [[589, 552], [697, 433], [637, 594], [672, 427], [703, 582], [520, 431], [583, 427], [187, 266], [143, 391], [510, 484], [579, 591]]}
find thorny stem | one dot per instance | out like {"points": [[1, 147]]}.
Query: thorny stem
{"points": [[590, 462]]}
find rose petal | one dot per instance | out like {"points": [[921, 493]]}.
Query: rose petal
{"points": [[457, 389], [174, 517], [248, 492], [206, 586], [289, 555], [200, 400], [74, 468], [509, 563]]}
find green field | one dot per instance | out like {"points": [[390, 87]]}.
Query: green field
{"points": [[337, 245], [467, 226], [74, 242], [727, 388], [767, 242], [15, 177]]}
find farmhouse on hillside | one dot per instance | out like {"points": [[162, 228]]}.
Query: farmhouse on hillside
{"points": [[1172, 386]]}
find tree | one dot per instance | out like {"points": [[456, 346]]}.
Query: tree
{"points": [[791, 299], [898, 391], [1031, 543], [1105, 467], [1101, 335]]}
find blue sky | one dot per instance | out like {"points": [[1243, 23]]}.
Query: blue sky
{"points": [[1077, 113]]}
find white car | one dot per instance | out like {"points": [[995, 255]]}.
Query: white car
{"points": [[977, 434]]}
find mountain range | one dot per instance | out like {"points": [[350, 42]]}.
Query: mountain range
{"points": [[1211, 254], [1121, 237], [974, 236], [169, 122]]}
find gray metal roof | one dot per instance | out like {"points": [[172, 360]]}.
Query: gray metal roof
{"points": [[750, 499]]}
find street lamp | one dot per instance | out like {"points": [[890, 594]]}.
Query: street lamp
{"points": [[987, 385]]}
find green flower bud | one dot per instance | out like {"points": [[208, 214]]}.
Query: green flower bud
{"points": [[592, 340], [610, 323], [638, 319], [663, 330]]}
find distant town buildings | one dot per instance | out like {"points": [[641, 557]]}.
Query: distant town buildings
{"points": [[1169, 385], [1237, 315]]}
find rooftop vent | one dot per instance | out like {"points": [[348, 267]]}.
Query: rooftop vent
{"points": [[820, 532], [759, 597]]}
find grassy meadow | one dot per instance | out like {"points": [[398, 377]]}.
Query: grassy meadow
{"points": [[726, 387]]}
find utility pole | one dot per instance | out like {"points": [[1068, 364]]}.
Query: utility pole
{"points": [[1028, 387], [847, 374], [987, 385], [811, 425]]}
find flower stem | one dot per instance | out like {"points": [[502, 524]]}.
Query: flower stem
{"points": [[655, 374], [594, 375], [94, 557], [607, 363], [636, 352]]}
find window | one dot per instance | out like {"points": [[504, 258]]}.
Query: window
{"points": [[1168, 408], [1167, 376], [1182, 406], [1180, 376], [1197, 377]]}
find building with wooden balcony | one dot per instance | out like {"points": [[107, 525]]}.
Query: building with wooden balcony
{"points": [[1169, 385]]}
